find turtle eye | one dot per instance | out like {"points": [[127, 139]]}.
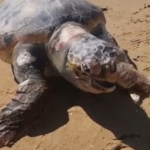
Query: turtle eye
{"points": [[85, 69]]}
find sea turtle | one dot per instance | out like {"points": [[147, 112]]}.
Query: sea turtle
{"points": [[68, 38]]}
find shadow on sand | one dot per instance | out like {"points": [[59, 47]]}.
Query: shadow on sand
{"points": [[114, 111]]}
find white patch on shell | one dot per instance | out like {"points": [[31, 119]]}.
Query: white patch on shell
{"points": [[26, 82], [135, 97], [25, 58]]}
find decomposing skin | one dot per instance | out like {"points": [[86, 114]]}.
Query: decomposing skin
{"points": [[68, 38]]}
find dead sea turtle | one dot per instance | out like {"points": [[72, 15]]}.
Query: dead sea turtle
{"points": [[68, 38]]}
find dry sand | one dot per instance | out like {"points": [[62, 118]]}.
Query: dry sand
{"points": [[75, 121]]}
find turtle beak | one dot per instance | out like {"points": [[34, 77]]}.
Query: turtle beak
{"points": [[109, 73], [99, 71]]}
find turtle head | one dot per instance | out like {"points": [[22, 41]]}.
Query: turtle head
{"points": [[93, 63], [84, 60]]}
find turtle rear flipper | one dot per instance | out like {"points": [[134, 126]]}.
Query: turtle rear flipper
{"points": [[29, 101], [130, 78]]}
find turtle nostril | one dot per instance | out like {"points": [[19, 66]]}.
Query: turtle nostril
{"points": [[113, 66], [110, 67], [107, 67], [109, 72]]}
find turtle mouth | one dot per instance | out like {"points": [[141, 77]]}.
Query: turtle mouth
{"points": [[103, 85]]}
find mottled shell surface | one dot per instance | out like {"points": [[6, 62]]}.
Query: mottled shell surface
{"points": [[35, 20]]}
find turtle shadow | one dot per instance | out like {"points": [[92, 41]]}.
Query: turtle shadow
{"points": [[114, 111]]}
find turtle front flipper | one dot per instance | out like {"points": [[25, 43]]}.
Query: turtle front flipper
{"points": [[101, 32], [29, 101], [129, 77]]}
